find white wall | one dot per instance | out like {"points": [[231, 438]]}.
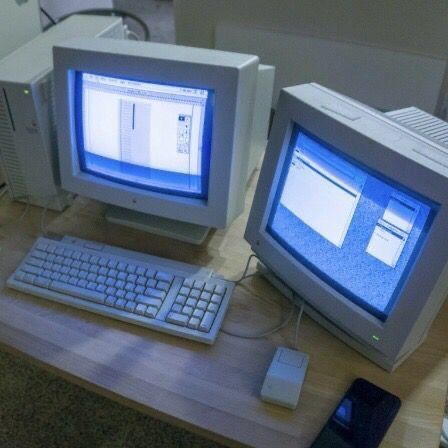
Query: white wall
{"points": [[419, 26]]}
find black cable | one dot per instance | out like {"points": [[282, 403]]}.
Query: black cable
{"points": [[112, 12], [45, 13]]}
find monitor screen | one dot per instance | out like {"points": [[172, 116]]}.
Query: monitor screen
{"points": [[358, 231], [148, 135]]}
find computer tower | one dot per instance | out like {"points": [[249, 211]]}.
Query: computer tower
{"points": [[28, 141]]}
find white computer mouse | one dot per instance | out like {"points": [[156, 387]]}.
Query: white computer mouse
{"points": [[285, 377]]}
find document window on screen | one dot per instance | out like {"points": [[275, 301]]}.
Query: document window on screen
{"points": [[356, 230], [148, 135]]}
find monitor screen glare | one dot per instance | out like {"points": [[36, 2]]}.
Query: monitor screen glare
{"points": [[355, 229], [147, 135]]}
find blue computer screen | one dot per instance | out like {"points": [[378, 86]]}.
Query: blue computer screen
{"points": [[358, 231], [149, 135]]}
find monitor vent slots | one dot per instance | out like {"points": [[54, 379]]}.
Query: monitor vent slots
{"points": [[8, 153], [424, 123]]}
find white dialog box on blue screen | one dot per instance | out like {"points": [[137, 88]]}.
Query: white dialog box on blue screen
{"points": [[323, 193], [392, 230]]}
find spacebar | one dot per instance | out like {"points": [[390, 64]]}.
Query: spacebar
{"points": [[82, 293]]}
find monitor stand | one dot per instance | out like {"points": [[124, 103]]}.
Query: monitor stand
{"points": [[183, 231]]}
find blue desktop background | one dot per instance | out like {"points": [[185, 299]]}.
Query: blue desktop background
{"points": [[353, 272]]}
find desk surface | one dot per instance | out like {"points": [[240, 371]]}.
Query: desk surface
{"points": [[213, 390]]}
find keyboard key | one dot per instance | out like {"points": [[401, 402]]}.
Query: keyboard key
{"points": [[201, 305], [188, 283], [216, 299], [29, 278], [198, 313], [85, 258], [195, 293], [113, 273], [184, 291], [42, 246], [155, 293], [91, 285], [64, 278], [180, 299], [120, 293], [129, 287], [83, 274], [151, 311], [42, 282], [82, 283], [122, 276], [55, 276], [206, 322], [150, 273], [51, 248], [110, 282], [165, 277], [132, 278], [149, 301], [110, 301], [76, 264], [120, 304], [209, 287], [188, 310], [68, 253], [119, 284], [140, 309], [76, 255], [199, 284], [59, 250], [31, 269], [122, 266], [163, 286], [177, 319], [65, 270], [151, 283], [193, 323], [101, 288], [101, 279], [111, 291], [139, 289], [91, 277], [19, 276], [131, 268], [85, 294], [103, 261], [37, 262], [74, 272], [73, 281], [103, 271], [130, 296], [94, 259], [112, 264], [41, 255], [130, 307], [176, 308], [212, 308], [206, 296], [191, 302], [220, 290], [141, 280], [140, 271]]}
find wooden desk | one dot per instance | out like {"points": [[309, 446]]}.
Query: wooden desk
{"points": [[209, 390]]}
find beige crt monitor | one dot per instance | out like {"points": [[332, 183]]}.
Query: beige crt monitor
{"points": [[350, 215], [160, 131]]}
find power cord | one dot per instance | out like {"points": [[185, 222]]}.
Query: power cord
{"points": [[48, 16], [271, 331]]}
